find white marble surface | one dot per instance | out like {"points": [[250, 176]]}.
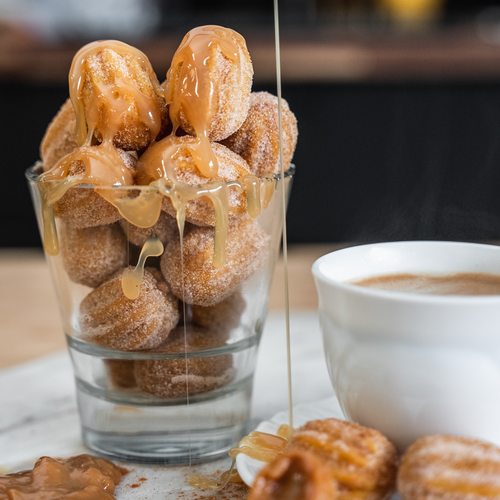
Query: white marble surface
{"points": [[38, 414]]}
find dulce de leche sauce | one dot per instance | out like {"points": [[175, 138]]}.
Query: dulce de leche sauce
{"points": [[78, 478]]}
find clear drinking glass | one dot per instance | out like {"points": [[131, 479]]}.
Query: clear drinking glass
{"points": [[187, 399]]}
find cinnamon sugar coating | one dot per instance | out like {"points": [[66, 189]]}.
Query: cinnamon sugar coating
{"points": [[222, 316], [450, 468], [200, 211], [232, 84], [109, 319], [59, 139], [257, 141], [121, 372], [83, 207], [202, 283], [91, 255], [362, 461], [108, 68], [294, 475], [166, 378], [165, 228]]}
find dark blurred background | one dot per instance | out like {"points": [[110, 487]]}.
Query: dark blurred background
{"points": [[397, 101]]}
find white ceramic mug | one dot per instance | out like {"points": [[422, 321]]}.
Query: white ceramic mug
{"points": [[406, 364]]}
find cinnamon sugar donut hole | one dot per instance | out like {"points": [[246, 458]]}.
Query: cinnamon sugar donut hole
{"points": [[202, 283], [165, 228], [109, 319], [108, 68], [232, 84], [257, 141], [222, 316], [121, 372], [91, 255], [231, 167], [450, 468], [362, 461], [166, 378], [84, 207], [59, 139], [295, 474]]}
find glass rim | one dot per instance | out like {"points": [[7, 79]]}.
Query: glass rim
{"points": [[32, 176]]}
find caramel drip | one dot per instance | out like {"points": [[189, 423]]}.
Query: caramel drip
{"points": [[190, 88], [80, 478], [258, 445], [111, 101], [132, 280]]}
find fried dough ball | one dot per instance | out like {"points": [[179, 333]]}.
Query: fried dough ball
{"points": [[294, 475], [450, 467], [199, 211], [231, 86], [202, 283], [362, 461], [83, 207], [222, 316], [130, 84], [166, 378], [109, 319], [121, 372], [165, 228], [91, 255], [257, 141], [59, 139]]}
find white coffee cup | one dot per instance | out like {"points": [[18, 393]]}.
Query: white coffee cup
{"points": [[407, 364]]}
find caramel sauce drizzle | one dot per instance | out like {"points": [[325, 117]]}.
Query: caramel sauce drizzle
{"points": [[258, 445], [132, 280]]}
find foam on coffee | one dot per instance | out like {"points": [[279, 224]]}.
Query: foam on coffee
{"points": [[450, 284]]}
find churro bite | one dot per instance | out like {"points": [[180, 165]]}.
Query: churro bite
{"points": [[212, 62], [165, 228], [121, 372], [183, 168], [222, 316], [59, 139], [257, 141], [294, 475], [168, 378], [361, 461], [450, 467], [109, 319], [83, 206], [91, 255], [202, 283], [119, 93]]}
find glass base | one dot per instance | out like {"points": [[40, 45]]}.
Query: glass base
{"points": [[170, 434]]}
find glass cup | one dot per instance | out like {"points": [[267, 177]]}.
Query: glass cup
{"points": [[179, 392]]}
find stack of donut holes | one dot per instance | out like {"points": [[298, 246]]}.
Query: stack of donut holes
{"points": [[334, 459], [98, 245]]}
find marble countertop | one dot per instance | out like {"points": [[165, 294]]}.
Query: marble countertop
{"points": [[39, 415]]}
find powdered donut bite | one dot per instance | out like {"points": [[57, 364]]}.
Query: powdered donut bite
{"points": [[361, 461], [202, 283], [450, 467], [83, 207], [231, 83], [165, 228], [257, 141], [166, 378], [294, 475], [91, 255], [111, 320]]}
